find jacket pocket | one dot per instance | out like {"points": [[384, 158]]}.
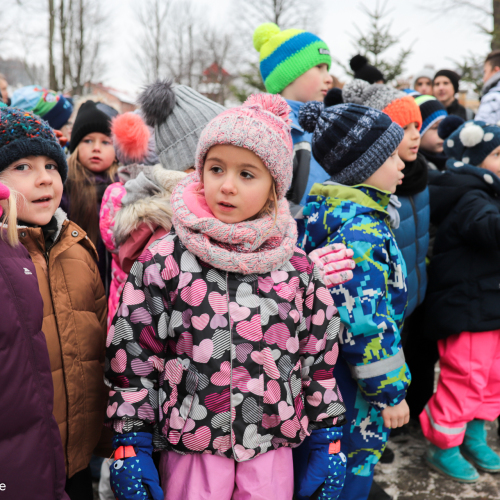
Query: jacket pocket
{"points": [[489, 298], [180, 385]]}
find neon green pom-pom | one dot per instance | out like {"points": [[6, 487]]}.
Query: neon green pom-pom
{"points": [[263, 34]]}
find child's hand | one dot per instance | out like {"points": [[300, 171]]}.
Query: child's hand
{"points": [[396, 416], [334, 263]]}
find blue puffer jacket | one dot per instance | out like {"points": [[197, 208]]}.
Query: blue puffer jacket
{"points": [[412, 237]]}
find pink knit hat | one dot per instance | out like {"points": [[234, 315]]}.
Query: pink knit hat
{"points": [[4, 195], [261, 125]]}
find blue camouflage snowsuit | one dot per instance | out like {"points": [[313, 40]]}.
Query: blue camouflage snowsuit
{"points": [[371, 371]]}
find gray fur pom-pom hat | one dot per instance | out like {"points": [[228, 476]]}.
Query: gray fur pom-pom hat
{"points": [[178, 114]]}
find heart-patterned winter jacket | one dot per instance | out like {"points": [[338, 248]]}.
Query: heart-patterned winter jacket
{"points": [[229, 364]]}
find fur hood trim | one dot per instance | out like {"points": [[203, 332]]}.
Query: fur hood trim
{"points": [[152, 210]]}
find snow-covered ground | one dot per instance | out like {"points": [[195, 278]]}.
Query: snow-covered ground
{"points": [[409, 477]]}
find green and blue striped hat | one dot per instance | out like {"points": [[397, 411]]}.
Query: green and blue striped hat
{"points": [[286, 55]]}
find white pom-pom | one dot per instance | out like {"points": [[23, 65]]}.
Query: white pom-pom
{"points": [[471, 135], [488, 178], [465, 159], [488, 136], [450, 143], [458, 164]]}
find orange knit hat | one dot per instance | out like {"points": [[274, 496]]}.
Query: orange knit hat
{"points": [[404, 111]]}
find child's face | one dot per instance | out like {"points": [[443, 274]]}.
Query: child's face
{"points": [[431, 141], [37, 179], [313, 85], [237, 183], [96, 152], [408, 149], [492, 162], [424, 85], [489, 71], [389, 175]]}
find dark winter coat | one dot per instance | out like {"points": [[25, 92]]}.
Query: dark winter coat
{"points": [[206, 344], [31, 453], [455, 108], [463, 293]]}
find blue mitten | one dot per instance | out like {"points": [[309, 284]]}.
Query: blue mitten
{"points": [[133, 474], [325, 469]]}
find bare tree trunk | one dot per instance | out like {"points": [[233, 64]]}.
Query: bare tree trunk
{"points": [[78, 84], [53, 84], [495, 39]]}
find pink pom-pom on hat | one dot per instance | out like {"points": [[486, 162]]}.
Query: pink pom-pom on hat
{"points": [[262, 125], [4, 195]]}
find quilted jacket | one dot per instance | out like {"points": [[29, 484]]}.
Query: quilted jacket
{"points": [[222, 363], [489, 109], [372, 305], [74, 324]]}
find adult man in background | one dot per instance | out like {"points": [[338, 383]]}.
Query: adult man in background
{"points": [[444, 88]]}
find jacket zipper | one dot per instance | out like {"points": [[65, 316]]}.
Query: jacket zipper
{"points": [[230, 370], [416, 248]]}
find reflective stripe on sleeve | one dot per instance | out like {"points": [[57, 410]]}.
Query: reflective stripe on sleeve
{"points": [[378, 367]]}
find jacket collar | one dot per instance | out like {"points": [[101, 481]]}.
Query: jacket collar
{"points": [[490, 83], [294, 115]]}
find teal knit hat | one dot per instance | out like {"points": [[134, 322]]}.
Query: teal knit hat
{"points": [[285, 55]]}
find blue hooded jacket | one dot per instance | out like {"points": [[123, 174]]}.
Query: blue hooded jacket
{"points": [[372, 305]]}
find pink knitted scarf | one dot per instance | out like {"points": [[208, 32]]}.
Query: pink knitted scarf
{"points": [[248, 247]]}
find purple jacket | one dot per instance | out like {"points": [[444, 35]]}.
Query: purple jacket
{"points": [[31, 455]]}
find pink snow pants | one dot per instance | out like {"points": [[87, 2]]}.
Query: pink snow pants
{"points": [[468, 387], [209, 477]]}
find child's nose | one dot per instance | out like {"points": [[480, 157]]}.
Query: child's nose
{"points": [[228, 186]]}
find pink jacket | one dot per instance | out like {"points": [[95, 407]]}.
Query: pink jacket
{"points": [[128, 229]]}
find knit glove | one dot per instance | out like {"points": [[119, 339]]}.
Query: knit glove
{"points": [[334, 263], [133, 474], [325, 469]]}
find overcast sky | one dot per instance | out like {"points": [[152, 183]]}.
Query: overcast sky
{"points": [[437, 39]]}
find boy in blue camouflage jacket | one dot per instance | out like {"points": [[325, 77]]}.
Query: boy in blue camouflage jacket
{"points": [[357, 146]]}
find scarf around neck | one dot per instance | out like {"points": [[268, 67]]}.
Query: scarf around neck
{"points": [[415, 179], [247, 247]]}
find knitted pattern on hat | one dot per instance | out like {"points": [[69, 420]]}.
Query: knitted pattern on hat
{"points": [[397, 104], [431, 110], [472, 142], [52, 107], [365, 71], [286, 55], [261, 125], [23, 134], [178, 115], [350, 141], [249, 247]]}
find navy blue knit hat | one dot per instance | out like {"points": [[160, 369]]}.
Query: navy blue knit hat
{"points": [[23, 134], [471, 142], [350, 141]]}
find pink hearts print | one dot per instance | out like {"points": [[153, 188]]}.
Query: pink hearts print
{"points": [[219, 403], [222, 443], [152, 276], [290, 428], [200, 322], [331, 356], [148, 340], [131, 296], [279, 276], [330, 312], [292, 345], [184, 279], [218, 302], [256, 385], [269, 364], [273, 393], [122, 310], [223, 376], [330, 396], [173, 371], [241, 378], [250, 330], [325, 296], [270, 421], [288, 290], [218, 321], [286, 411], [141, 316], [164, 248], [315, 399], [125, 410], [198, 441], [176, 421], [277, 334], [203, 352], [302, 264], [243, 453], [145, 256], [171, 269], [265, 284], [134, 397], [243, 350], [193, 295], [141, 368], [111, 409], [238, 312], [185, 344], [319, 318], [119, 362]]}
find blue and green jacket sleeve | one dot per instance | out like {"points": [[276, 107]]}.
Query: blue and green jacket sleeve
{"points": [[372, 305]]}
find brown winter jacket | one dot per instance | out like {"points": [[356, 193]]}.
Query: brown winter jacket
{"points": [[74, 324]]}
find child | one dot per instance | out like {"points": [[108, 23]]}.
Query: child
{"points": [[216, 316], [412, 229], [462, 312], [74, 306], [431, 145], [422, 81], [134, 212], [27, 395], [92, 167], [358, 146], [295, 64], [489, 109]]}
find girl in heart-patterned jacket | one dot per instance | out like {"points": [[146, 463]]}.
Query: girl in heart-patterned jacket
{"points": [[222, 349]]}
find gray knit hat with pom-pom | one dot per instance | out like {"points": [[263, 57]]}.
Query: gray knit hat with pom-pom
{"points": [[178, 114], [376, 95], [350, 141]]}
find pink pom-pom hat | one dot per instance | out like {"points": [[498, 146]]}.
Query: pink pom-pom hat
{"points": [[262, 125]]}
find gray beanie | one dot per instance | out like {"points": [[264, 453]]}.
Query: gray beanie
{"points": [[426, 72], [178, 115], [376, 95]]}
